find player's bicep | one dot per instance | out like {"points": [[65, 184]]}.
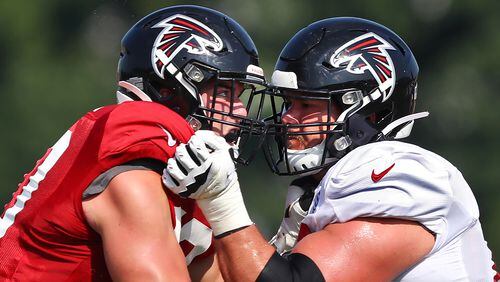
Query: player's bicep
{"points": [[370, 248], [132, 216]]}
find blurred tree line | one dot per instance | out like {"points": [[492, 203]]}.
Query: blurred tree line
{"points": [[58, 61]]}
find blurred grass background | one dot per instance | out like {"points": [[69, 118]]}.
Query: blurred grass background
{"points": [[58, 61]]}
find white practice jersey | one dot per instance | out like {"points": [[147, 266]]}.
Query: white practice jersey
{"points": [[399, 180]]}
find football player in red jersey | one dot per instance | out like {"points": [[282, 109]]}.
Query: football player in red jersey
{"points": [[94, 207], [382, 209]]}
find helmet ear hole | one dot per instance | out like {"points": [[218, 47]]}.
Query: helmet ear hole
{"points": [[165, 93], [381, 118], [373, 118], [327, 65]]}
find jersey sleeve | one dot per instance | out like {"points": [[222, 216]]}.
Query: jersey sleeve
{"points": [[102, 181], [141, 130], [386, 182]]}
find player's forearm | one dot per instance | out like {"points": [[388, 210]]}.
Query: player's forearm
{"points": [[243, 255], [246, 256]]}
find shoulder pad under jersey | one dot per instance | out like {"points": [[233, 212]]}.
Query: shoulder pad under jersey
{"points": [[139, 129], [391, 179]]}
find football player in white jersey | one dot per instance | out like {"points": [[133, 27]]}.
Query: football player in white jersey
{"points": [[382, 209]]}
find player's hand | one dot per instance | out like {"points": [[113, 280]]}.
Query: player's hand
{"points": [[298, 199], [203, 169]]}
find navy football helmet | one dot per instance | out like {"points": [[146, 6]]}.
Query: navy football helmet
{"points": [[358, 67], [172, 54]]}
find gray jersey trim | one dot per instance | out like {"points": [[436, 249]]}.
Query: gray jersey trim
{"points": [[101, 182]]}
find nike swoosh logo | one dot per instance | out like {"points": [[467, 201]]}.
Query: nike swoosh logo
{"points": [[376, 177], [170, 140]]}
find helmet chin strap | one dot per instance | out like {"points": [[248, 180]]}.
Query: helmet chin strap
{"points": [[122, 97], [406, 130]]}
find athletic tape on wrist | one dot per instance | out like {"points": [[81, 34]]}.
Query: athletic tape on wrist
{"points": [[226, 212]]}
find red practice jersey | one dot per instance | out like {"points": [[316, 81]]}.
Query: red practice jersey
{"points": [[44, 235]]}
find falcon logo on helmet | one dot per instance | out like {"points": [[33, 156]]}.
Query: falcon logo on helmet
{"points": [[181, 32], [368, 52]]}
